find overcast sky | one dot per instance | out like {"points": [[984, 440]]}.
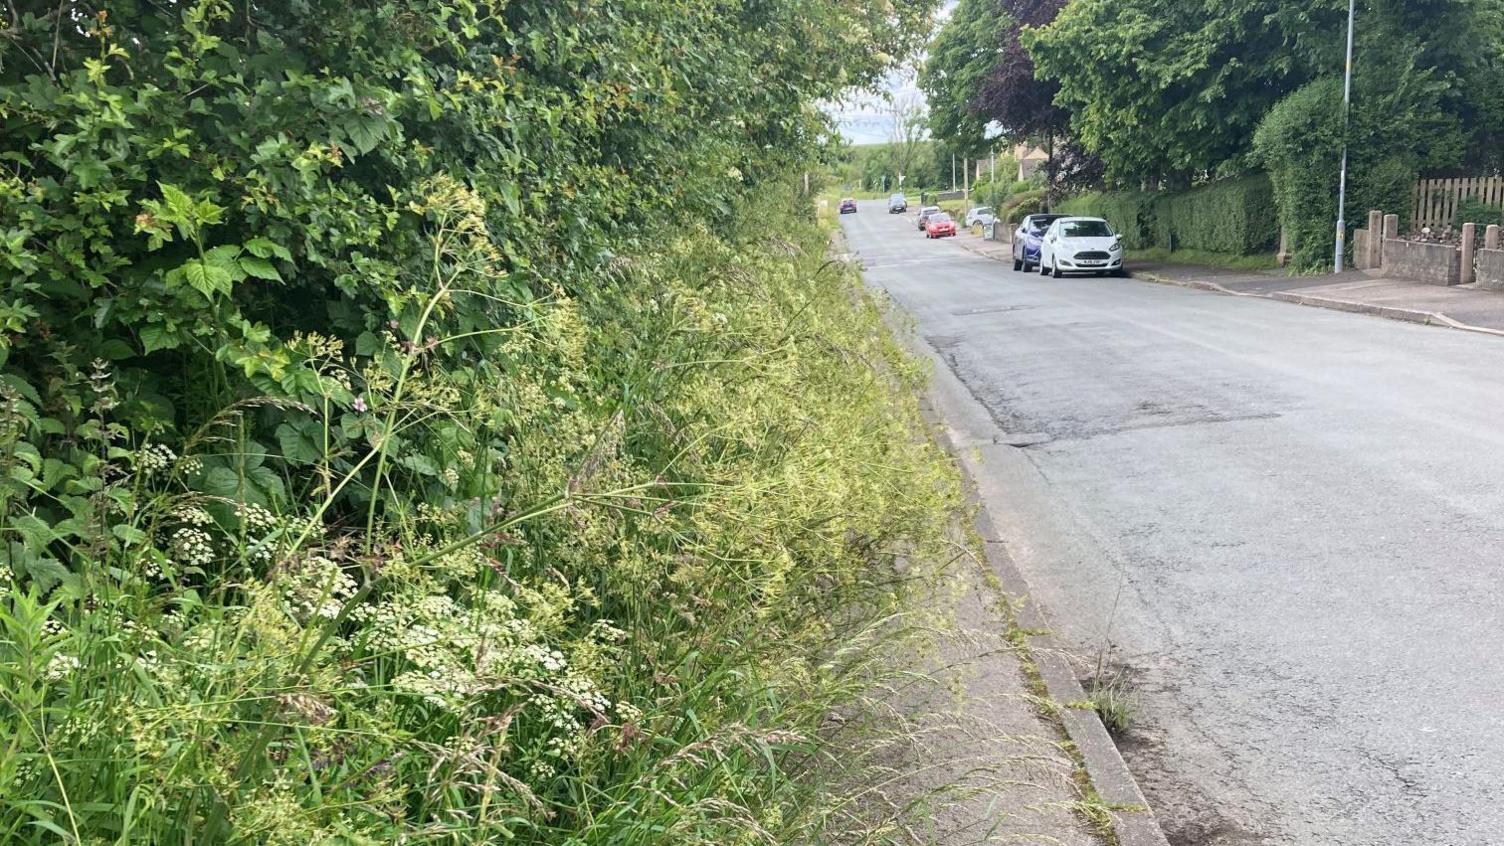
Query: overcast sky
{"points": [[865, 119]]}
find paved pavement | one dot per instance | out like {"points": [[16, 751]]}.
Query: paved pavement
{"points": [[1457, 306], [1281, 522]]}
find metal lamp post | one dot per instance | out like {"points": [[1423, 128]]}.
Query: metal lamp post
{"points": [[1347, 91]]}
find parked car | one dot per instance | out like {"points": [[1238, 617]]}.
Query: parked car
{"points": [[897, 204], [981, 215], [924, 214], [848, 206], [939, 225], [1080, 245], [1027, 238]]}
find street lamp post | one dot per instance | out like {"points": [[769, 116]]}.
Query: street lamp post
{"points": [[1347, 92]]}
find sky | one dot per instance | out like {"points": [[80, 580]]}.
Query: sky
{"points": [[864, 119]]}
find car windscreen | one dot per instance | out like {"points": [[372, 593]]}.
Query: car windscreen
{"points": [[939, 217], [1037, 227], [1086, 229]]}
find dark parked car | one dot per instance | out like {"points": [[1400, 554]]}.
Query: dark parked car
{"points": [[1027, 238], [848, 206], [924, 215], [897, 204]]}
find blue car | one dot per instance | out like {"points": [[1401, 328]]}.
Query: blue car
{"points": [[1027, 237]]}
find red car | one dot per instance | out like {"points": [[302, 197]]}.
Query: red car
{"points": [[848, 205], [939, 226]]}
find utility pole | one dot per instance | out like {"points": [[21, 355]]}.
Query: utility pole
{"points": [[966, 178], [952, 171], [1347, 93]]}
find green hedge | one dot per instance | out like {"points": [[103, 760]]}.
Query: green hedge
{"points": [[1131, 213], [1236, 216], [1021, 204]]}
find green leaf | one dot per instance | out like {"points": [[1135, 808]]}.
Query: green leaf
{"points": [[207, 278], [300, 442], [129, 535], [264, 248], [259, 268], [155, 338]]}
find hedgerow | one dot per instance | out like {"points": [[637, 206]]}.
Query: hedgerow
{"points": [[436, 422], [1131, 213], [1234, 217]]}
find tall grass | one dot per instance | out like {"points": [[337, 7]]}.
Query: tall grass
{"points": [[664, 624]]}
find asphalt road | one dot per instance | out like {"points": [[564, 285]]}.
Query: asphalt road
{"points": [[1284, 524]]}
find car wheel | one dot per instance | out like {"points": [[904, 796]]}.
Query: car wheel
{"points": [[1043, 271], [1055, 271], [1017, 265]]}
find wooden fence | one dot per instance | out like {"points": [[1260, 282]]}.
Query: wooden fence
{"points": [[1434, 201]]}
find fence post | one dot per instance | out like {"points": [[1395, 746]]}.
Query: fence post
{"points": [[1469, 246], [1375, 238], [1491, 237]]}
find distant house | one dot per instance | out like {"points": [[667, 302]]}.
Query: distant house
{"points": [[1030, 159]]}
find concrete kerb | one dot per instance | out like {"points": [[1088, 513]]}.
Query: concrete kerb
{"points": [[952, 408]]}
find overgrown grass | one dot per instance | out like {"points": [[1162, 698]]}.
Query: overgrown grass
{"points": [[1203, 257], [706, 471]]}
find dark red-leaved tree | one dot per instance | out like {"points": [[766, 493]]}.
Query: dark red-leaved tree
{"points": [[1024, 106]]}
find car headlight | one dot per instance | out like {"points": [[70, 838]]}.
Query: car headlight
{"points": [[1117, 246]]}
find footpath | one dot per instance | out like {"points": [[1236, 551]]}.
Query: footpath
{"points": [[1457, 306], [1007, 747]]}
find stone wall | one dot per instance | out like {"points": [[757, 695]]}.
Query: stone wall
{"points": [[1491, 270], [1360, 249], [1434, 264]]}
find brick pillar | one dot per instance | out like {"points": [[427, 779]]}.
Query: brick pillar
{"points": [[1375, 238], [1491, 237], [1469, 246]]}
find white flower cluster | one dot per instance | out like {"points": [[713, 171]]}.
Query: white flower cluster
{"points": [[256, 518], [552, 660], [315, 586], [60, 666], [192, 515], [155, 458], [192, 547]]}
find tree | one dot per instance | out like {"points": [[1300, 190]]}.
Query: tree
{"points": [[963, 54], [906, 134], [1173, 89]]}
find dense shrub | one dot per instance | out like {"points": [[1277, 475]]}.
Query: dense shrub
{"points": [[1474, 210], [1397, 128], [1236, 216], [1021, 204], [432, 422]]}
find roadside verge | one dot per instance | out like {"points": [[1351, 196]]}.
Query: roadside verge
{"points": [[970, 434]]}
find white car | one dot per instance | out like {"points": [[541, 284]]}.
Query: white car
{"points": [[980, 215], [1080, 245]]}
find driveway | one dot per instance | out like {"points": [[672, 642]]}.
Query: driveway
{"points": [[1282, 524]]}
